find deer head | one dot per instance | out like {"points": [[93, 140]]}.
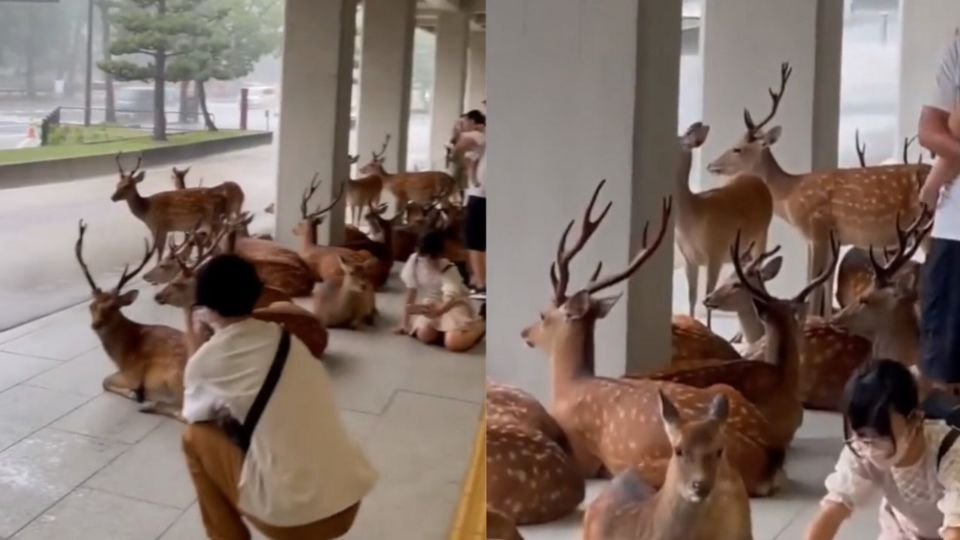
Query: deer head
{"points": [[698, 447], [731, 295], [356, 277], [168, 267], [127, 185], [568, 319], [105, 305], [179, 177], [746, 155], [181, 291], [377, 159], [311, 220], [381, 229], [694, 137]]}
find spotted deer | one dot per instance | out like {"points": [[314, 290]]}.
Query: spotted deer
{"points": [[168, 211], [419, 187], [531, 475], [702, 497], [150, 359], [365, 192], [610, 423], [500, 527], [692, 340], [860, 205], [168, 267], [379, 243], [278, 267], [231, 191], [707, 221], [349, 302]]}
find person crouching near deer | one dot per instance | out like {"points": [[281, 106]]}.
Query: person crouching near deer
{"points": [[891, 450], [444, 314], [250, 449]]}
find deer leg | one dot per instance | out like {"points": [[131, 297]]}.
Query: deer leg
{"points": [[118, 384], [162, 408], [160, 241], [713, 275], [818, 259], [693, 279]]}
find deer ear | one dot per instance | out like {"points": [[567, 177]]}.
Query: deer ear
{"points": [[139, 176], [128, 297], [578, 306], [771, 268], [605, 304], [772, 136], [907, 280], [719, 408], [670, 416]]}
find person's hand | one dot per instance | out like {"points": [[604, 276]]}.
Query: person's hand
{"points": [[930, 195], [200, 322]]}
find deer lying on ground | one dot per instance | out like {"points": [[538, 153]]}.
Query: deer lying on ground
{"points": [[707, 221], [418, 187], [500, 527], [692, 340], [531, 475], [349, 302], [168, 211], [364, 192], [379, 244], [278, 267], [611, 424], [231, 191], [702, 498], [168, 267], [860, 205], [150, 359]]}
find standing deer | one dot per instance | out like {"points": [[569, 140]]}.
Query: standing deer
{"points": [[350, 302], [702, 498], [168, 211], [150, 359], [231, 191], [860, 205], [365, 191], [418, 187], [611, 424], [707, 221]]}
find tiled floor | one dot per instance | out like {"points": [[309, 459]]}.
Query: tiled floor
{"points": [[78, 464]]}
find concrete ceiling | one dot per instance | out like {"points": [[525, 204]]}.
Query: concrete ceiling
{"points": [[428, 10]]}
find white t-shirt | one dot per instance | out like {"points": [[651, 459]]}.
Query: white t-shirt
{"points": [[433, 283], [477, 185], [301, 466], [945, 97]]}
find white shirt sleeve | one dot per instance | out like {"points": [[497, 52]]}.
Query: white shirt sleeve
{"points": [[451, 283], [199, 401], [408, 274], [850, 483], [945, 93], [949, 477]]}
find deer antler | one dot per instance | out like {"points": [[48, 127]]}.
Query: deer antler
{"points": [[646, 251], [907, 142], [562, 263], [776, 97], [127, 275], [308, 194], [135, 168], [905, 249], [78, 251], [754, 291], [354, 158], [378, 156], [755, 264], [861, 149]]}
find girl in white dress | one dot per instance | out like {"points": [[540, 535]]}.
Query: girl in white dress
{"points": [[892, 451], [444, 313]]}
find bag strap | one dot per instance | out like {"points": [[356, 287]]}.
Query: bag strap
{"points": [[263, 396], [946, 444]]}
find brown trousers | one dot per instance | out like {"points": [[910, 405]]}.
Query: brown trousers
{"points": [[214, 463]]}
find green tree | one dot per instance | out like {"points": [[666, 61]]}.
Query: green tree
{"points": [[160, 31]]}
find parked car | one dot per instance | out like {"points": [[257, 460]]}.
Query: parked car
{"points": [[262, 97], [135, 103]]}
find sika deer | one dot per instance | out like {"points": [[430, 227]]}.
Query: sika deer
{"points": [[611, 423], [707, 221], [692, 340], [169, 266], [277, 266], [168, 211], [419, 187], [150, 359], [365, 192], [231, 191], [379, 243], [531, 476], [702, 498], [860, 205], [350, 302], [500, 527]]}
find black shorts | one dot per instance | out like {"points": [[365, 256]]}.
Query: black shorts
{"points": [[940, 320], [475, 224]]}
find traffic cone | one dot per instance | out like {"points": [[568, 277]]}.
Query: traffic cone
{"points": [[31, 140]]}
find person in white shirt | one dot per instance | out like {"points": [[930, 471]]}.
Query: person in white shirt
{"points": [[940, 297], [265, 440]]}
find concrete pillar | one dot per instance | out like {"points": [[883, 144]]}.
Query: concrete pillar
{"points": [[476, 71], [620, 93], [926, 29], [740, 64], [386, 68], [449, 81], [315, 111]]}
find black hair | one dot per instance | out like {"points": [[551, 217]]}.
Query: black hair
{"points": [[477, 117], [229, 286], [431, 244], [876, 390]]}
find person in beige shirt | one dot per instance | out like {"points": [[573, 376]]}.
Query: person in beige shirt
{"points": [[282, 459]]}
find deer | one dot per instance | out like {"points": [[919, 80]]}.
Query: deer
{"points": [[365, 191], [860, 205], [692, 340], [379, 243], [323, 260], [349, 302], [702, 497], [168, 267], [609, 422], [500, 527], [531, 476], [420, 187], [231, 191], [707, 221], [167, 211], [150, 359]]}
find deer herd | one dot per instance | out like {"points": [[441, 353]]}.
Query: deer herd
{"points": [[687, 444]]}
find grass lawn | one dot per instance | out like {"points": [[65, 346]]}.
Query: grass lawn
{"points": [[131, 141]]}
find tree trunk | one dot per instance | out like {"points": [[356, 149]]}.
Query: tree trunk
{"points": [[110, 116], [30, 54], [184, 115], [202, 97], [159, 80]]}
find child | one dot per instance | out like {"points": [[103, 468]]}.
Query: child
{"points": [[890, 450]]}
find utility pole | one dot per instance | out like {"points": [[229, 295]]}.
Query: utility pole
{"points": [[88, 86]]}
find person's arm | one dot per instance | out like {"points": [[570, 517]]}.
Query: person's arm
{"points": [[934, 134], [848, 486], [828, 521], [948, 475], [951, 533]]}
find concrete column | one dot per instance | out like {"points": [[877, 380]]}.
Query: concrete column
{"points": [[620, 91], [926, 29], [740, 64], [449, 81], [315, 110], [476, 71], [385, 71]]}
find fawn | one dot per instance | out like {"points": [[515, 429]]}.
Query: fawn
{"points": [[702, 498], [350, 302]]}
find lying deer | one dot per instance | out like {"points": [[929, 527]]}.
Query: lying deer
{"points": [[379, 244], [860, 205], [702, 498], [365, 192], [611, 424], [707, 222], [531, 476], [418, 187], [500, 527], [150, 359], [169, 266], [231, 191], [168, 211], [278, 267], [349, 302]]}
